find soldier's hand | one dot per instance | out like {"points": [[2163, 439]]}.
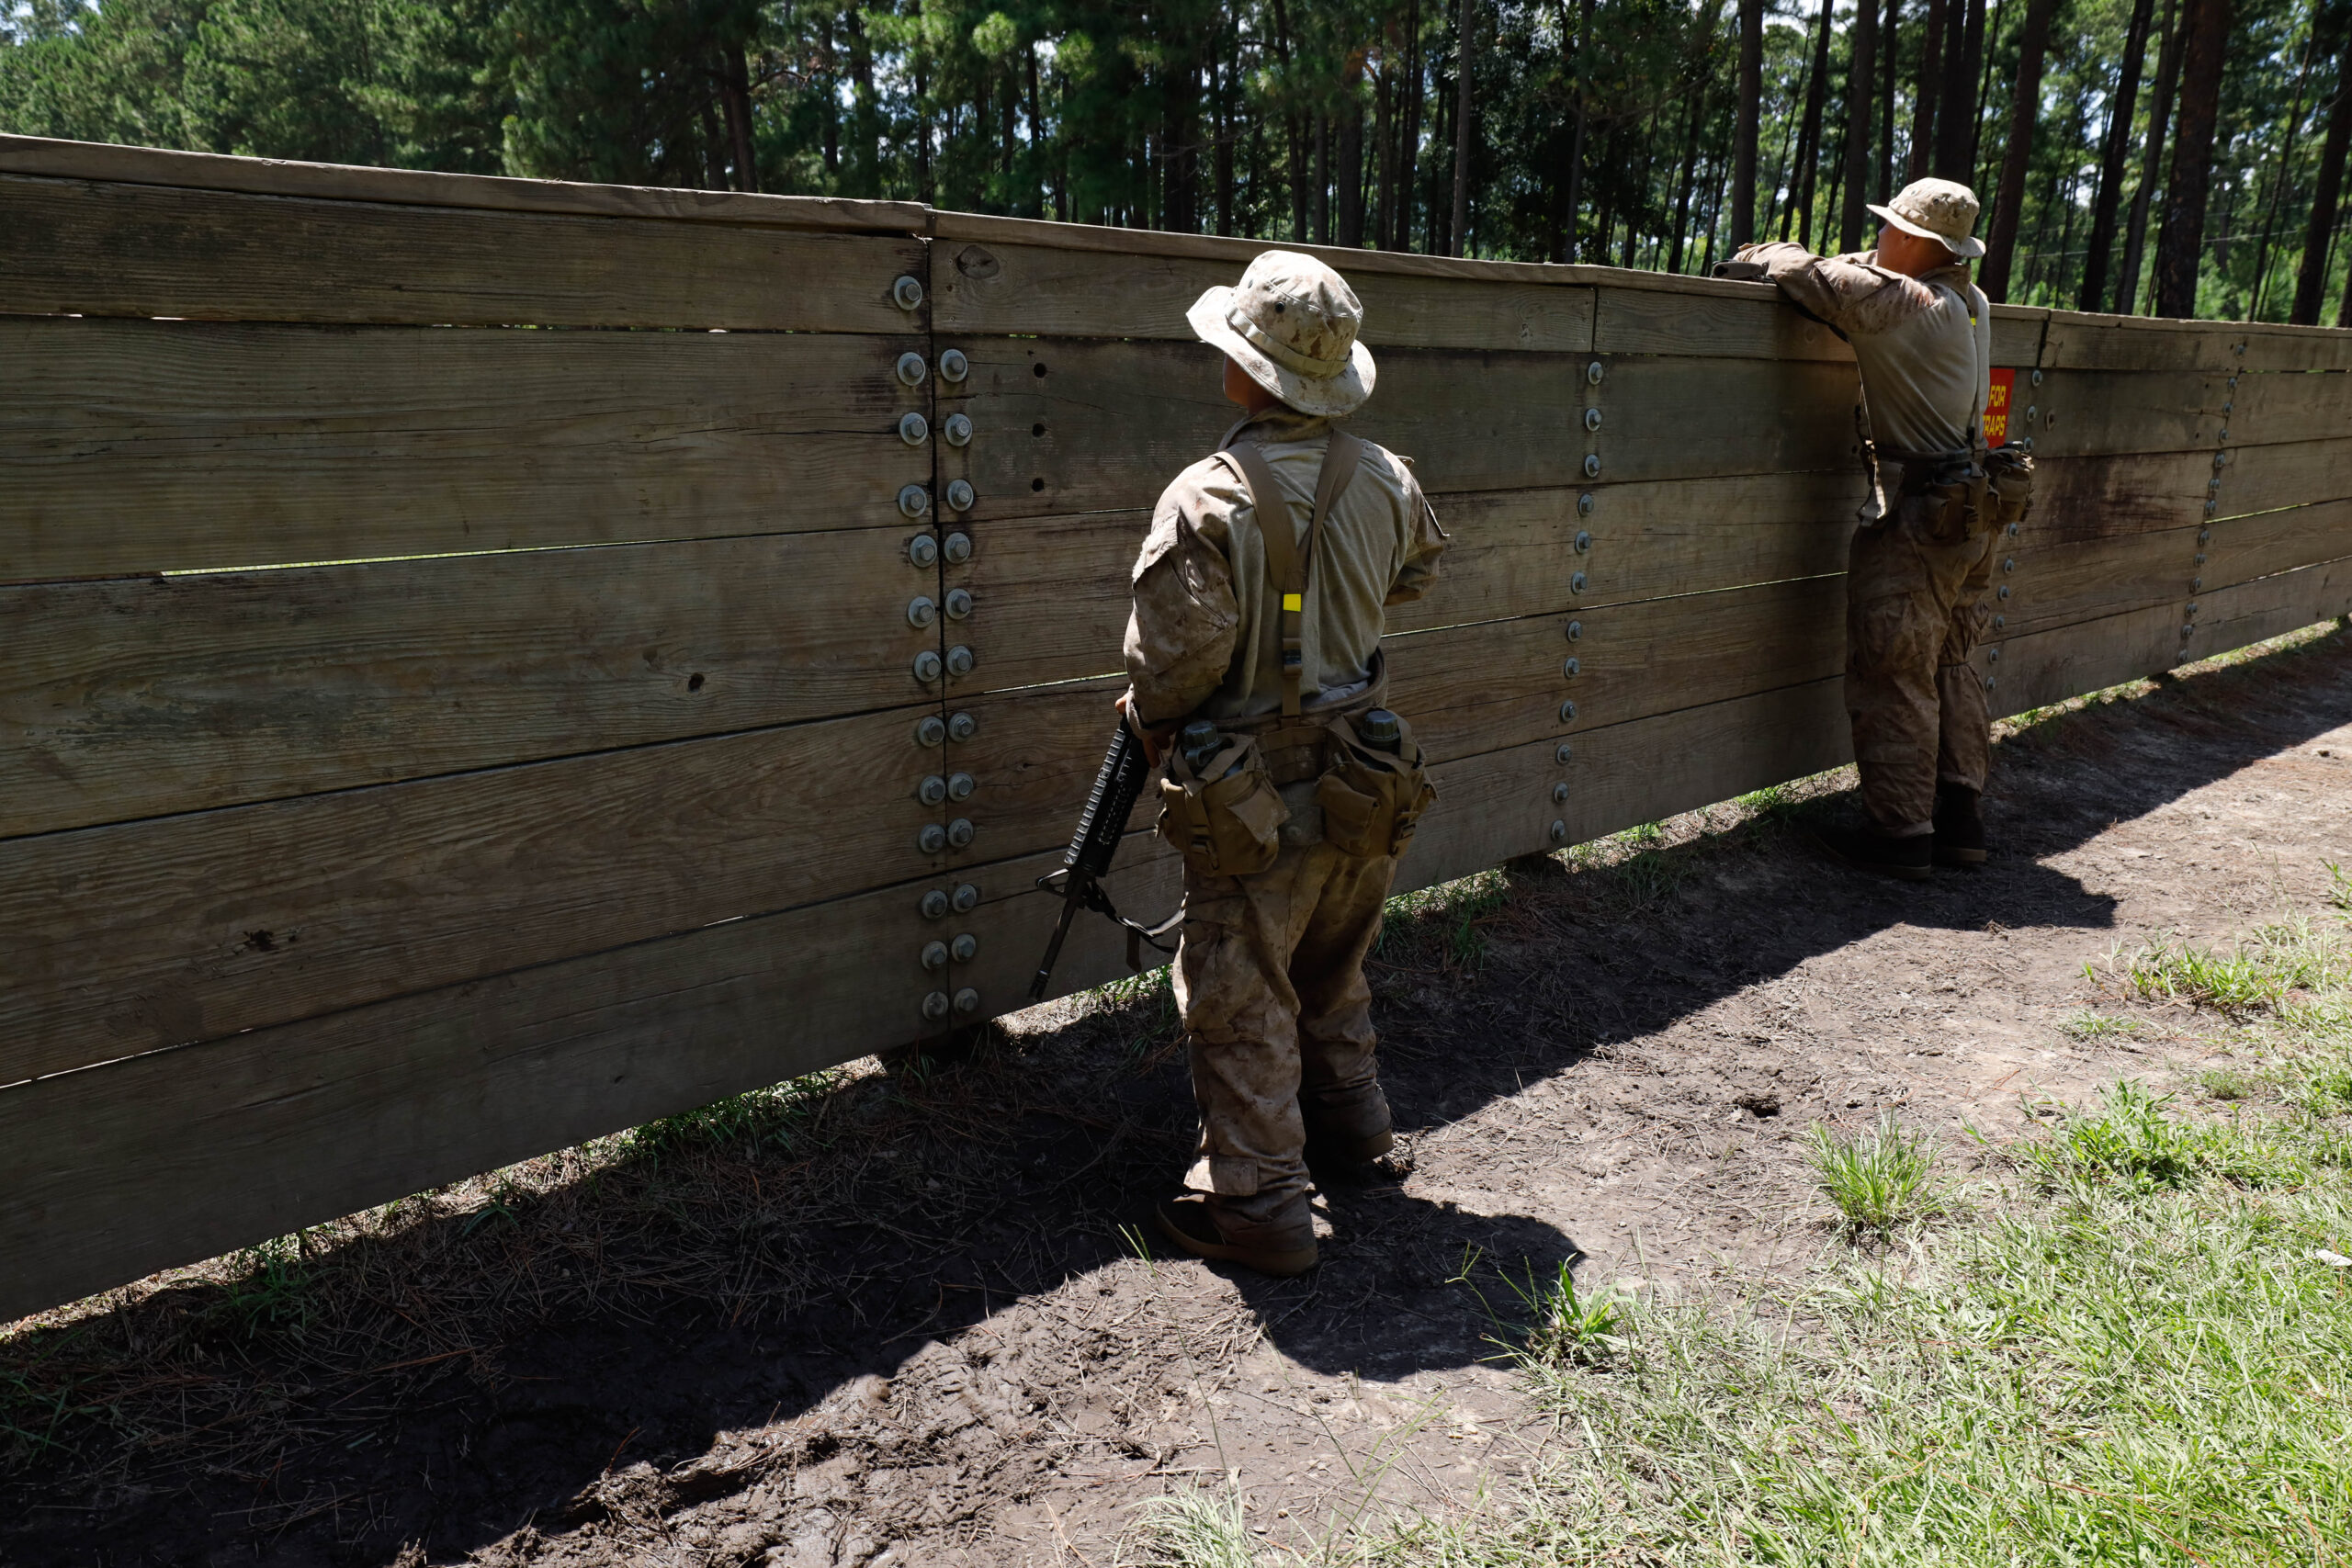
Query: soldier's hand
{"points": [[1154, 740]]}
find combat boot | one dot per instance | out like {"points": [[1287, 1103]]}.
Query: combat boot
{"points": [[1907, 859], [1280, 1250], [1960, 826]]}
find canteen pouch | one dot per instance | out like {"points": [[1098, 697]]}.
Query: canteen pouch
{"points": [[1372, 799], [1947, 505], [2009, 476], [1227, 823]]}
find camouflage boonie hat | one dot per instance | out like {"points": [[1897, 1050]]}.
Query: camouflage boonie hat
{"points": [[1937, 209], [1292, 327]]}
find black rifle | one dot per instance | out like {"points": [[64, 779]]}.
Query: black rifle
{"points": [[1125, 770]]}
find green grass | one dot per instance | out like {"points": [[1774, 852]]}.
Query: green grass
{"points": [[1879, 1180], [2258, 974], [2092, 1024], [783, 1116], [1189, 1527], [2339, 890], [1452, 915], [1569, 1328]]}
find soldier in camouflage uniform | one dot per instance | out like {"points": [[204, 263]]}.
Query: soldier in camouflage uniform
{"points": [[1269, 973], [1920, 566]]}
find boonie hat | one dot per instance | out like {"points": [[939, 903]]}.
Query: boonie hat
{"points": [[1937, 209], [1292, 325]]}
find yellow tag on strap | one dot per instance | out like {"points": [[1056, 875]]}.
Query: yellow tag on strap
{"points": [[1294, 602]]}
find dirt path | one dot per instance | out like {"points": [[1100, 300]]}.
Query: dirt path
{"points": [[932, 1340]]}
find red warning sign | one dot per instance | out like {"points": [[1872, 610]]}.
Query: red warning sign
{"points": [[1996, 408]]}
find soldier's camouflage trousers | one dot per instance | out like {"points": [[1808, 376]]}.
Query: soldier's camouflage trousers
{"points": [[1914, 610], [1278, 1018]]}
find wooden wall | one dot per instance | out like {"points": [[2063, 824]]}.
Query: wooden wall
{"points": [[458, 693]]}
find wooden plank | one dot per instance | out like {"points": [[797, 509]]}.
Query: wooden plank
{"points": [[2079, 341], [149, 446], [2089, 656], [71, 247], [2058, 584], [985, 290], [1049, 604], [1490, 808], [1468, 690], [1757, 323], [2076, 414], [2295, 473], [344, 182], [149, 934], [177, 1156], [132, 697], [2096, 498], [2246, 613], [2292, 406], [2269, 346], [1108, 424], [2243, 548]]}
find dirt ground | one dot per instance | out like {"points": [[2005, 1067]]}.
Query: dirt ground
{"points": [[921, 1319]]}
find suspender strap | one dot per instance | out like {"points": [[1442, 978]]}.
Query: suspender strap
{"points": [[1288, 566]]}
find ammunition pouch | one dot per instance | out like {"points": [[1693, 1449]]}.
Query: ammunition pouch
{"points": [[1944, 497], [2010, 473], [1226, 818], [1372, 799]]}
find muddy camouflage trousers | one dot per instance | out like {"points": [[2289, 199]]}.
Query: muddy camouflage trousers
{"points": [[1914, 610], [1277, 1020]]}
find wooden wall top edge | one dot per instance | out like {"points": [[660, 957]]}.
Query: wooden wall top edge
{"points": [[47, 156]]}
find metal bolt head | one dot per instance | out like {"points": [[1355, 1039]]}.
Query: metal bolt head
{"points": [[968, 1000], [960, 661], [934, 956], [1992, 656], [2199, 560], [1999, 621], [2197, 585], [964, 948], [1989, 682], [1583, 540], [961, 785], [952, 366], [1559, 831], [958, 429], [907, 293], [962, 726], [2037, 378], [2221, 460], [959, 604], [1569, 668], [2228, 403], [914, 500], [932, 791], [966, 899], [2009, 563], [934, 904], [2192, 606], [1561, 752], [931, 840], [2187, 630], [1593, 465], [2003, 591], [1576, 631], [1593, 372], [934, 1006], [2211, 506], [1592, 419], [913, 429], [1560, 794], [927, 666], [2204, 535], [930, 730], [960, 495], [1567, 713], [1584, 504], [923, 550], [2032, 413], [911, 369], [1576, 582], [2013, 530], [959, 833], [958, 548], [2225, 433], [920, 612]]}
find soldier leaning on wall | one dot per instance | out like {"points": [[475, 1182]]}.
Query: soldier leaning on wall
{"points": [[1920, 562], [1256, 680]]}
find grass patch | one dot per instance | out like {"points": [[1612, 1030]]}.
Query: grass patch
{"points": [[2092, 1024], [1568, 1328], [2258, 974], [784, 1117], [1448, 921], [1880, 1178], [1191, 1527], [2228, 1084]]}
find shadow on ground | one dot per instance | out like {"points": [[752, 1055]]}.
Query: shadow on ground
{"points": [[482, 1361]]}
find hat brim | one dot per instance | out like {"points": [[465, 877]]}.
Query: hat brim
{"points": [[1968, 249], [1327, 397]]}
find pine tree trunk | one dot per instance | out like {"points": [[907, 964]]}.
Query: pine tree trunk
{"points": [[1409, 152], [737, 100], [1959, 97], [2135, 239], [1463, 117], [1859, 85], [1384, 140], [2311, 279], [1979, 64], [1350, 178], [1928, 85], [2025, 106], [1817, 100], [2181, 243], [2115, 149], [1576, 142], [1889, 53], [1751, 105], [1689, 169]]}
